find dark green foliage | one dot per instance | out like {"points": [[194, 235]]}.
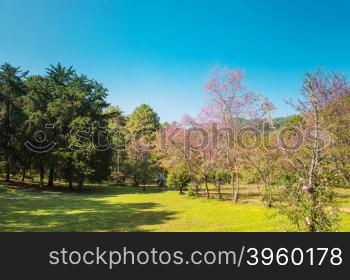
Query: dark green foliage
{"points": [[63, 108], [12, 90], [178, 178]]}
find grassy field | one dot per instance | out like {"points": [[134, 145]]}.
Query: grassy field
{"points": [[130, 209]]}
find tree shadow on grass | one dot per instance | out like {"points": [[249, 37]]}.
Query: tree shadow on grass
{"points": [[105, 188], [30, 211]]}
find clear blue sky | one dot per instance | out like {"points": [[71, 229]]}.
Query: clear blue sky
{"points": [[161, 51]]}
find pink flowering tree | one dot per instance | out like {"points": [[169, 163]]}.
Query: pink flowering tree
{"points": [[189, 146], [231, 106], [308, 199], [203, 148]]}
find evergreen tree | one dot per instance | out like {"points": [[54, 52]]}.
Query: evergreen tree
{"points": [[12, 89], [141, 127]]}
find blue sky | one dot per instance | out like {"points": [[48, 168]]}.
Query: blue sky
{"points": [[161, 52]]}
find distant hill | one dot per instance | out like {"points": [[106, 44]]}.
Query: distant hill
{"points": [[277, 122], [281, 121]]}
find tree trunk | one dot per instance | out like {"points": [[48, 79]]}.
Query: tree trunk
{"points": [[70, 175], [197, 189], [235, 197], [160, 185], [206, 189], [311, 222], [218, 187], [268, 190], [315, 153], [136, 181], [233, 186], [51, 177], [42, 171], [80, 184], [7, 172], [181, 189], [23, 174], [314, 170], [70, 183]]}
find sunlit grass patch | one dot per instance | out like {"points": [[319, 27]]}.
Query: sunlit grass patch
{"points": [[131, 209]]}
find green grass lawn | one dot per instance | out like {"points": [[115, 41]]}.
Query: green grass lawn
{"points": [[131, 209]]}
